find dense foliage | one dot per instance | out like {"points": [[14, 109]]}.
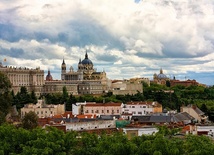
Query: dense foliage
{"points": [[5, 97], [53, 141], [30, 120], [23, 97]]}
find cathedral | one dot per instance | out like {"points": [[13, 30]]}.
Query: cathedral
{"points": [[85, 71], [160, 78], [85, 80]]}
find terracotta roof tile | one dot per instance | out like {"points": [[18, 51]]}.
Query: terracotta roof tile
{"points": [[103, 104]]}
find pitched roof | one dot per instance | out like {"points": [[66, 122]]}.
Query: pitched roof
{"points": [[153, 103], [109, 117], [196, 109], [102, 104], [153, 119], [86, 116], [183, 116]]}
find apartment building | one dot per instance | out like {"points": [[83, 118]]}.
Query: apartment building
{"points": [[43, 110], [142, 108], [103, 108]]}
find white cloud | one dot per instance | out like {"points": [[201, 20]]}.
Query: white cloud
{"points": [[177, 36]]}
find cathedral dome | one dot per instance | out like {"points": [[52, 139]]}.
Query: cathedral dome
{"points": [[49, 76], [87, 61], [161, 75]]}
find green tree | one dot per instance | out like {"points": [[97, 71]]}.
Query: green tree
{"points": [[64, 95], [33, 97], [5, 96], [204, 108], [72, 100], [5, 83], [22, 98], [30, 120]]}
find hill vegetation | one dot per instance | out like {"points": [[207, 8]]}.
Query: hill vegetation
{"points": [[53, 141]]}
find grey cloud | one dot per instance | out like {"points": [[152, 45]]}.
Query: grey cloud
{"points": [[107, 58], [12, 52]]}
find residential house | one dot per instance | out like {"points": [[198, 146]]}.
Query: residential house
{"points": [[123, 87], [139, 131], [195, 112], [43, 110], [103, 108], [139, 108], [152, 119]]}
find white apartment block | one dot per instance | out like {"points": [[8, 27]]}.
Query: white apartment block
{"points": [[43, 110], [101, 124], [140, 108], [103, 108], [77, 108]]}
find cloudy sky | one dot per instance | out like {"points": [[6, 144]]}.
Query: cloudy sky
{"points": [[126, 38]]}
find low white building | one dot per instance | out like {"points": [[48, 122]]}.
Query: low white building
{"points": [[205, 129], [100, 124], [134, 131], [43, 110], [139, 108], [76, 108]]}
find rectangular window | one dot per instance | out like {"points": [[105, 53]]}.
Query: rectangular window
{"points": [[92, 111], [107, 111], [133, 106]]}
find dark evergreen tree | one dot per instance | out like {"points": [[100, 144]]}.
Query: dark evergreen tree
{"points": [[30, 120]]}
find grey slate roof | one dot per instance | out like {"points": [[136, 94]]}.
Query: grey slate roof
{"points": [[153, 119], [183, 116]]}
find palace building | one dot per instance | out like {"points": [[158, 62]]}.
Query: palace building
{"points": [[32, 79]]}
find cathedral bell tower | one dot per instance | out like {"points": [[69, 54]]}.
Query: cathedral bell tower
{"points": [[63, 70]]}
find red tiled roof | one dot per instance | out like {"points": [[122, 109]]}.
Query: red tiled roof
{"points": [[86, 116], [67, 113], [57, 116], [103, 104]]}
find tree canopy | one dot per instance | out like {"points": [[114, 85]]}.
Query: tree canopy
{"points": [[53, 141], [30, 120], [5, 96]]}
